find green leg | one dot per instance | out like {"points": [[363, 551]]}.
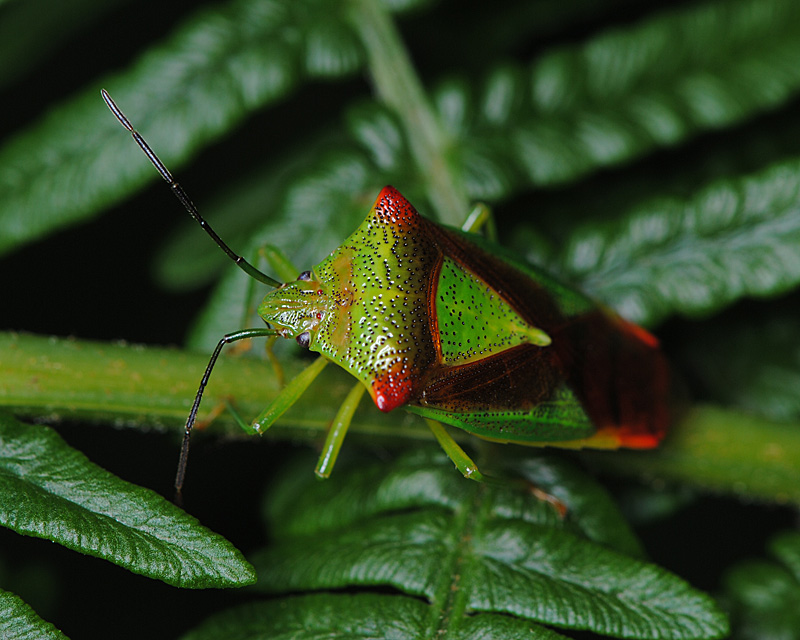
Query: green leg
{"points": [[237, 417], [459, 457], [338, 430], [277, 368], [470, 470], [480, 217], [280, 265], [288, 395]]}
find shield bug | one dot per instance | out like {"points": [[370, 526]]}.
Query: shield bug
{"points": [[433, 320]]}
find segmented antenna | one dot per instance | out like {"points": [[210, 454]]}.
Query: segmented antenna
{"points": [[245, 266], [177, 189]]}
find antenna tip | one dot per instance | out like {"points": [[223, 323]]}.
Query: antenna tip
{"points": [[116, 110]]}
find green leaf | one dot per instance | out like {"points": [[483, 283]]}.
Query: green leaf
{"points": [[331, 49], [765, 596], [362, 616], [469, 548], [623, 93], [376, 130], [594, 512], [761, 375], [217, 68], [53, 492], [736, 237], [19, 622], [414, 482]]}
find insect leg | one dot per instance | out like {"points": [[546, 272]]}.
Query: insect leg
{"points": [[237, 417], [277, 368], [459, 457], [278, 262], [470, 470], [187, 430], [286, 271], [289, 395], [338, 430], [481, 217]]}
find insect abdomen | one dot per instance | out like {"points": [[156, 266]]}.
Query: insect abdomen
{"points": [[544, 365]]}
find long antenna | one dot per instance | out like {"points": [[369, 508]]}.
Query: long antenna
{"points": [[177, 189], [245, 266]]}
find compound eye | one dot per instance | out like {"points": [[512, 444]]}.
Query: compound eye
{"points": [[304, 339], [306, 275]]}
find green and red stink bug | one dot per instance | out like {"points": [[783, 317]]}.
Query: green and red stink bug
{"points": [[430, 319]]}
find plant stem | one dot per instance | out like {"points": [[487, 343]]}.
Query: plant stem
{"points": [[720, 450], [54, 378], [143, 387], [398, 85]]}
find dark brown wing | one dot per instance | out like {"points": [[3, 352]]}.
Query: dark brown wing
{"points": [[613, 368]]}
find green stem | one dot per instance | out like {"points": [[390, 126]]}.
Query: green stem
{"points": [[54, 378], [720, 450], [129, 385], [398, 85]]}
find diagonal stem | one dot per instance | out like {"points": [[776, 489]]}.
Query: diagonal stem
{"points": [[398, 85]]}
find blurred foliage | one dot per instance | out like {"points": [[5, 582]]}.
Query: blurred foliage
{"points": [[647, 153], [764, 596]]}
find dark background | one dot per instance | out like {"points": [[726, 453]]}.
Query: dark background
{"points": [[94, 281]]}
